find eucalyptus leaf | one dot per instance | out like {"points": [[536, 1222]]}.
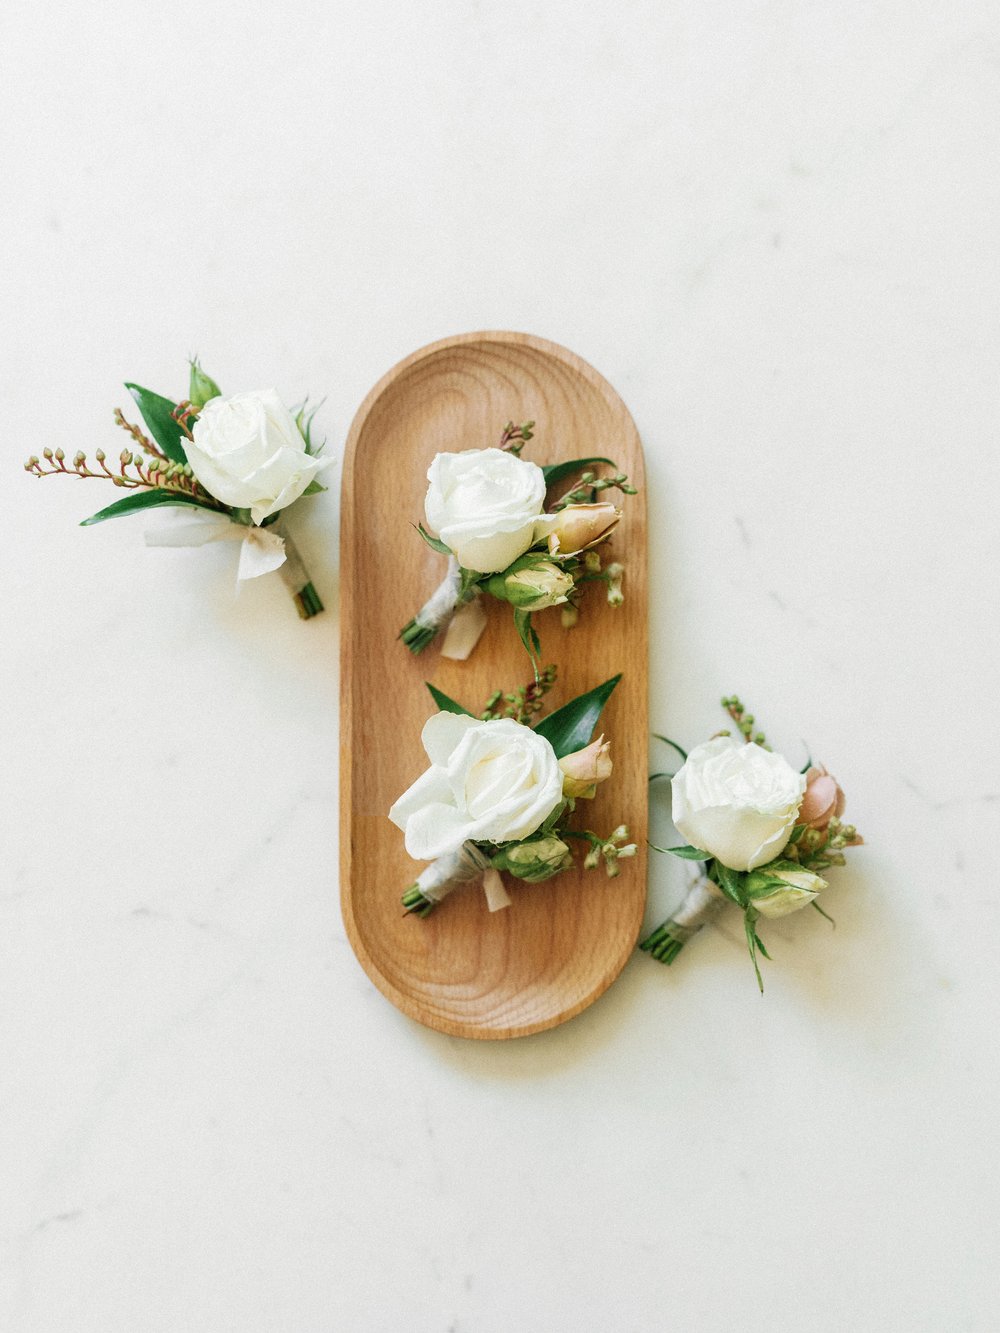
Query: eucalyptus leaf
{"points": [[446, 704], [132, 504], [571, 727], [157, 413], [555, 472]]}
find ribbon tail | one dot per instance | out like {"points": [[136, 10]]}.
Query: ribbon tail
{"points": [[262, 551], [208, 528], [464, 631], [497, 896]]}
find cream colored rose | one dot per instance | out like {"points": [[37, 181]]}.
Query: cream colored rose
{"points": [[488, 782], [737, 802], [248, 452], [486, 506]]}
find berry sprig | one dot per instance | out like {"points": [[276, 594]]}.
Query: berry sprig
{"points": [[523, 704]]}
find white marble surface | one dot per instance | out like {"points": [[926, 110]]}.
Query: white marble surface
{"points": [[773, 226]]}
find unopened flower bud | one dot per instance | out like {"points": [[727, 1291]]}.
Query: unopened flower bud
{"points": [[579, 526], [782, 887], [591, 860], [126, 457], [620, 834], [569, 615], [100, 455], [592, 562], [584, 769], [79, 458], [630, 849], [60, 456], [47, 453], [615, 572], [201, 386], [537, 860], [823, 802], [531, 583]]}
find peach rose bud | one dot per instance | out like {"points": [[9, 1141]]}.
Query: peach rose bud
{"points": [[584, 769], [580, 526], [823, 800]]}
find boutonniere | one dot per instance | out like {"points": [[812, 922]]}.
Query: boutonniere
{"points": [[499, 792], [762, 831], [237, 462], [484, 511]]}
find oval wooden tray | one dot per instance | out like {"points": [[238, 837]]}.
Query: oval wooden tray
{"points": [[465, 970]]}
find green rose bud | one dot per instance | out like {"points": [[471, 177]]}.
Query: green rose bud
{"points": [[531, 583], [533, 861], [782, 887], [202, 386]]}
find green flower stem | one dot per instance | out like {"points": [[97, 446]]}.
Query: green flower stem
{"points": [[702, 902], [295, 576], [415, 903], [307, 602], [417, 637]]}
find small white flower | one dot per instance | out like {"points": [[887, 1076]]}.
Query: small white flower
{"points": [[248, 452], [488, 782], [737, 802], [486, 506]]}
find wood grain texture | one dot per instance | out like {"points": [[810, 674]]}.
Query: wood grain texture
{"points": [[464, 970]]}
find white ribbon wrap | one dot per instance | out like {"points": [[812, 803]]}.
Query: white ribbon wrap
{"points": [[465, 622], [460, 867], [262, 551], [704, 898]]}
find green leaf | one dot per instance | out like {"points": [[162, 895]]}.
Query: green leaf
{"points": [[797, 833], [445, 704], [732, 883], [752, 943], [145, 500], [686, 853], [819, 909], [526, 631], [314, 488], [555, 472], [433, 542], [571, 727], [157, 414]]}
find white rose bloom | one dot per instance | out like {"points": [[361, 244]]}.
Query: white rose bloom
{"points": [[488, 782], [737, 802], [486, 506], [248, 452]]}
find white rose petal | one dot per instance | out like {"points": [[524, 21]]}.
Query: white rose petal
{"points": [[488, 782], [737, 802], [248, 452], [486, 506]]}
